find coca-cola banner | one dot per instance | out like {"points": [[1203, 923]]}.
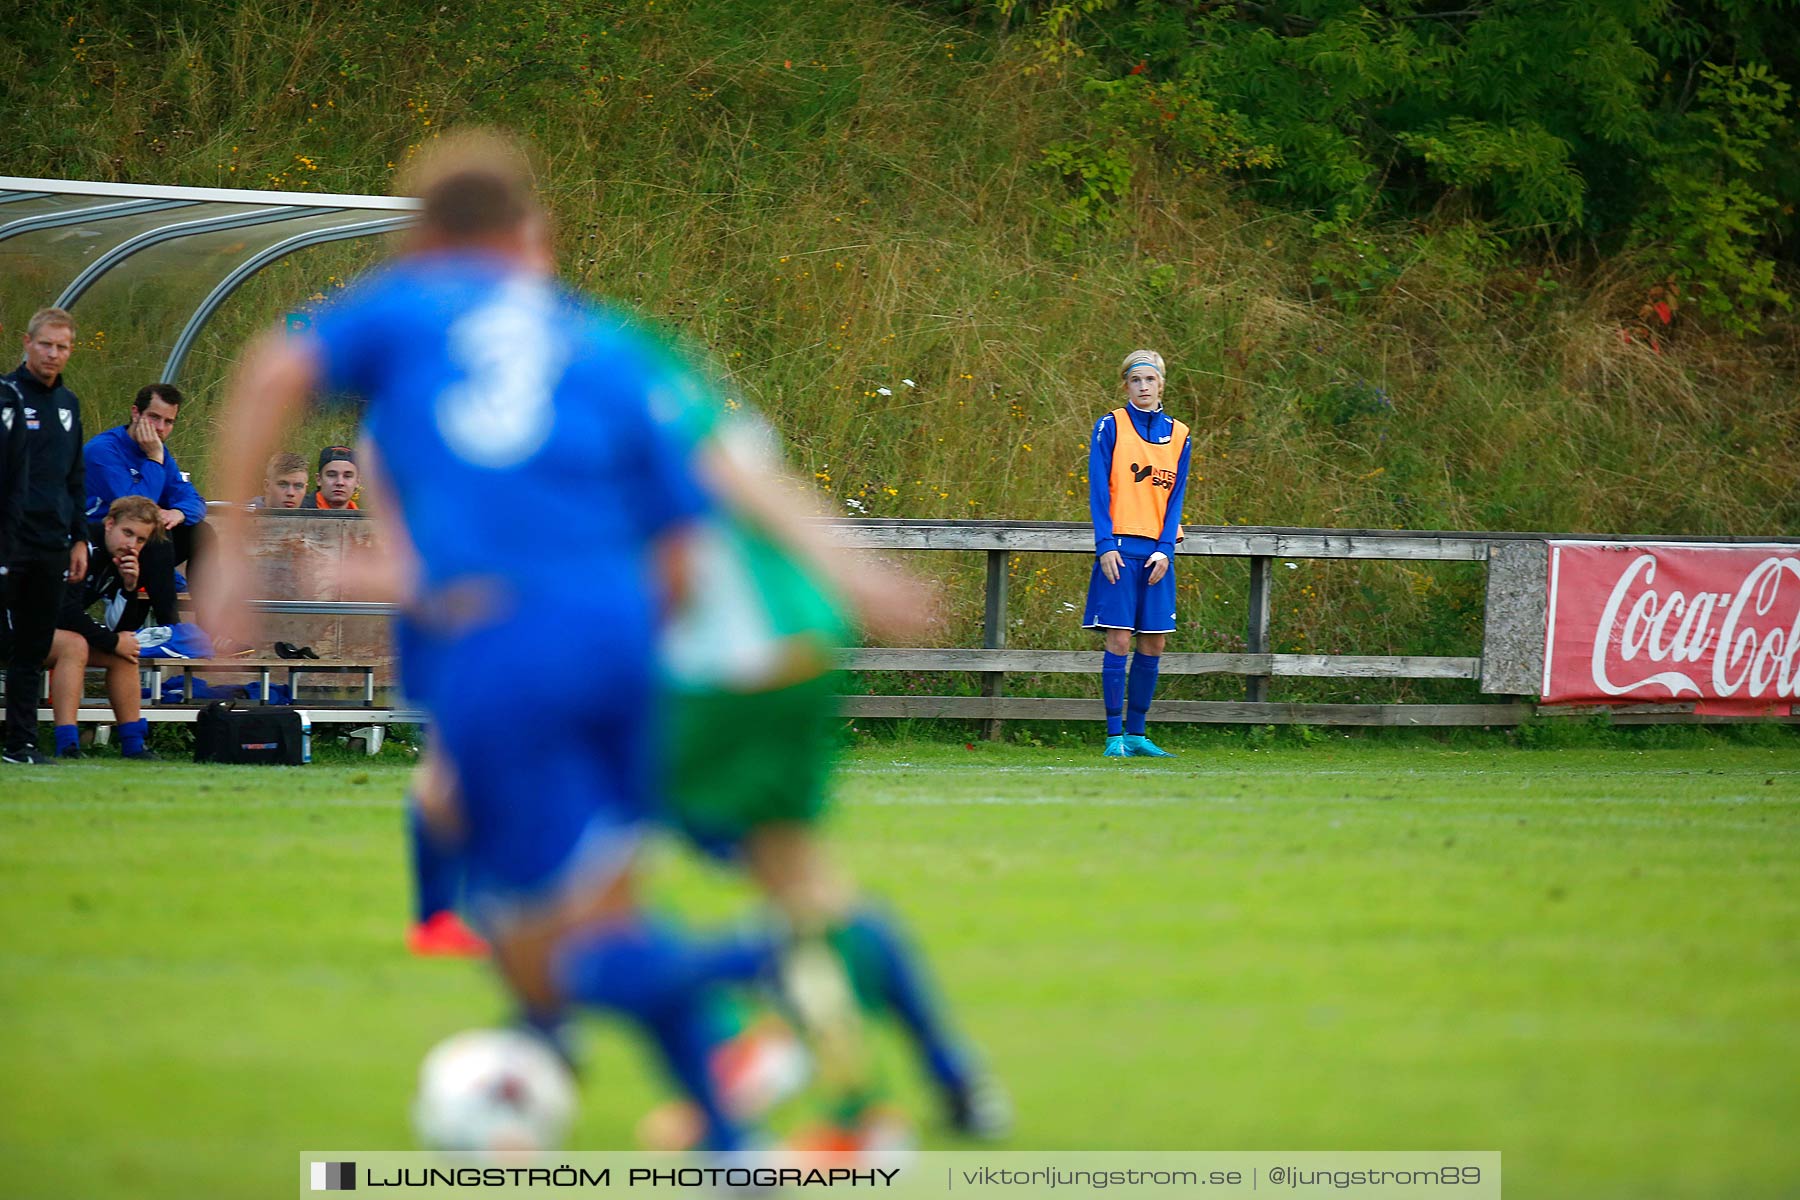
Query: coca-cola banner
{"points": [[1664, 622]]}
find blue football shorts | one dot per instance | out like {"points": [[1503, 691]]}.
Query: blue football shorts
{"points": [[1134, 602], [554, 755]]}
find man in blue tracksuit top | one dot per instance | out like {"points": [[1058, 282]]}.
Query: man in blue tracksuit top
{"points": [[1137, 480], [134, 459]]}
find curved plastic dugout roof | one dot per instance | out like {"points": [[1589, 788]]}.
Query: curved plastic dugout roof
{"points": [[192, 247]]}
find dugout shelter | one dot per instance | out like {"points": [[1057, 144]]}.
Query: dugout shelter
{"points": [[165, 284], [146, 269]]}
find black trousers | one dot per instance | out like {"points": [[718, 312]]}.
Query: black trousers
{"points": [[185, 543], [34, 592]]}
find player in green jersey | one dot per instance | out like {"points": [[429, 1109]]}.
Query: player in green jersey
{"points": [[750, 660]]}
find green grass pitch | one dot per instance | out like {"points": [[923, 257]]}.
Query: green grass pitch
{"points": [[1586, 959]]}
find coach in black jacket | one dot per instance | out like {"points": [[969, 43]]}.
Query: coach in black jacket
{"points": [[12, 477], [47, 538]]}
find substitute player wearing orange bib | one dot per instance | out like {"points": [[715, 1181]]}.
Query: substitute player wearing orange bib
{"points": [[1137, 480]]}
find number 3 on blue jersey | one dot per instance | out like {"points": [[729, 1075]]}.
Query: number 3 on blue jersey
{"points": [[510, 359]]}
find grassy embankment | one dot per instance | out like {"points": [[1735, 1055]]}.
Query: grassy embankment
{"points": [[832, 198]]}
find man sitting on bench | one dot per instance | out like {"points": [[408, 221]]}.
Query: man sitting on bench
{"points": [[134, 459], [114, 548]]}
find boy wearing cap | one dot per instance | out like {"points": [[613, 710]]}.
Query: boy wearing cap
{"points": [[338, 480], [1137, 480]]}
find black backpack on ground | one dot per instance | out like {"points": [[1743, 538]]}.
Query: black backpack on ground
{"points": [[224, 734]]}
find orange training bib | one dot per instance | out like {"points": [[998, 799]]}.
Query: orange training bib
{"points": [[1143, 478]]}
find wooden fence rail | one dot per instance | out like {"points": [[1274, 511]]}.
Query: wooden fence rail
{"points": [[1507, 669], [999, 540]]}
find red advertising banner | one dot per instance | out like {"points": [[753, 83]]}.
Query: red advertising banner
{"points": [[1666, 622]]}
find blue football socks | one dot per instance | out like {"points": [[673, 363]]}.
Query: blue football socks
{"points": [[1143, 690], [639, 965], [1112, 691], [68, 739], [663, 980], [437, 879], [131, 737], [888, 975]]}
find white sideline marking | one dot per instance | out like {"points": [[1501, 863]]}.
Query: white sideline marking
{"points": [[1109, 769], [1289, 770], [1033, 801], [166, 804]]}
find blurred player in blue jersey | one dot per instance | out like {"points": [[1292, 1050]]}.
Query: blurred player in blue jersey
{"points": [[751, 737], [505, 414]]}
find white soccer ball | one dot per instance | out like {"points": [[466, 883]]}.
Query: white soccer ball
{"points": [[493, 1091]]}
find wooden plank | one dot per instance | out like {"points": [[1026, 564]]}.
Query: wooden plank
{"points": [[1239, 540], [1055, 662], [1023, 708], [1353, 531], [1537, 535], [1326, 544], [1512, 626], [993, 629], [1222, 541], [1083, 662], [1230, 540], [1256, 631], [1374, 666], [1073, 539]]}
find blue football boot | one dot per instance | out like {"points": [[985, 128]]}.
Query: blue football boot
{"points": [[1139, 746], [1115, 747]]}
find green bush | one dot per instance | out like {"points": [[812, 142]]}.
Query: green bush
{"points": [[1711, 214], [1556, 123]]}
